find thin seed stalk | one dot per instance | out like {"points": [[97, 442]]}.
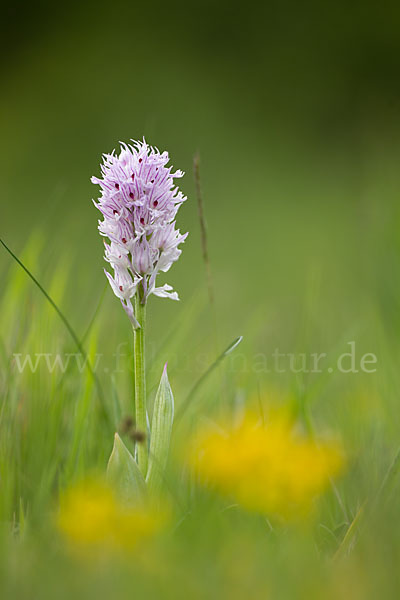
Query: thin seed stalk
{"points": [[140, 382]]}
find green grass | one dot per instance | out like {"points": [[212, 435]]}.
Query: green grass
{"points": [[311, 269], [54, 430]]}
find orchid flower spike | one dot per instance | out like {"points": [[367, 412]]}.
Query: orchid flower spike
{"points": [[139, 203]]}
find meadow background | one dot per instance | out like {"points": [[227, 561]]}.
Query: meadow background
{"points": [[294, 109]]}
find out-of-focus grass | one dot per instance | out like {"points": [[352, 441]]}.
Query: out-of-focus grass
{"points": [[52, 432]]}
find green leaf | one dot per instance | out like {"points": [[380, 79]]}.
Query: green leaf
{"points": [[161, 427], [123, 473]]}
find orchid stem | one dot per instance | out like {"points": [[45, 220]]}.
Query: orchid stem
{"points": [[140, 382]]}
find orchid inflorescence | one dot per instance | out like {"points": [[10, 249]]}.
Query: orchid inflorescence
{"points": [[139, 203]]}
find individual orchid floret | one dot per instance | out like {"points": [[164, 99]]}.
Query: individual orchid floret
{"points": [[139, 203]]}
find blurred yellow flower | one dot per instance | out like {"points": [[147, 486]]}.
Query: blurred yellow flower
{"points": [[270, 468], [92, 517]]}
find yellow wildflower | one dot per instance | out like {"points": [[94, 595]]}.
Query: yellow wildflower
{"points": [[270, 468], [92, 517]]}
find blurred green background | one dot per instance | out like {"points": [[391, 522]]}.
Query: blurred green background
{"points": [[295, 111], [294, 108]]}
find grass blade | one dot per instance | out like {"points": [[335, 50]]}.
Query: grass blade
{"points": [[232, 346], [203, 227], [349, 538], [68, 327]]}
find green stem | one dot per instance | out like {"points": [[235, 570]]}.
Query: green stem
{"points": [[140, 382]]}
